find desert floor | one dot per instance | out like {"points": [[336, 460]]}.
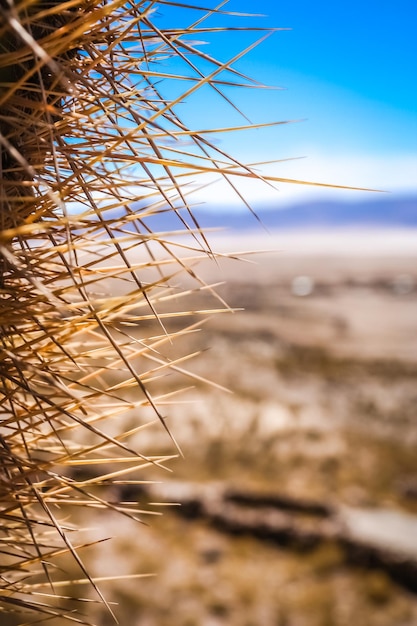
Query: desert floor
{"points": [[322, 370]]}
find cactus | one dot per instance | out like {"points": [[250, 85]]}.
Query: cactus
{"points": [[92, 152]]}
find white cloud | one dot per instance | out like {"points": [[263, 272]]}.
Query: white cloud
{"points": [[392, 173]]}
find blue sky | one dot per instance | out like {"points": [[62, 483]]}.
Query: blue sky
{"points": [[347, 69]]}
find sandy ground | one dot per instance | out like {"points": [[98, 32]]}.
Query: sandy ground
{"points": [[322, 367]]}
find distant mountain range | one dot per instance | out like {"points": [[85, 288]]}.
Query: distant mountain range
{"points": [[383, 212]]}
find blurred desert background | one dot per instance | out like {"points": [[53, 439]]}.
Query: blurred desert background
{"points": [[296, 501]]}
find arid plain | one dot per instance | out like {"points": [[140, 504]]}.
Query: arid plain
{"points": [[319, 419]]}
